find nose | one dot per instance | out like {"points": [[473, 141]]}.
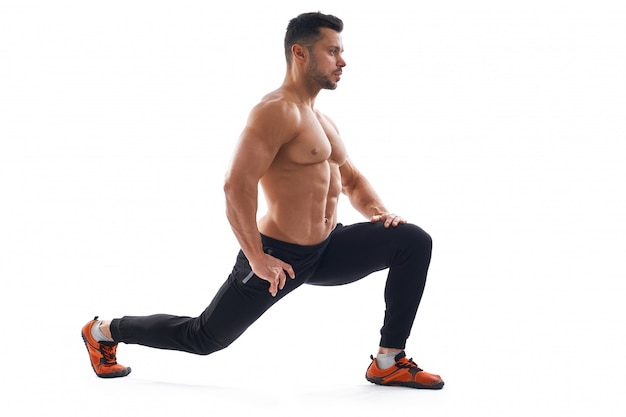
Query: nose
{"points": [[340, 61]]}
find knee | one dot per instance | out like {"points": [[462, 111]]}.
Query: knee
{"points": [[415, 241], [205, 347], [416, 237], [202, 342], [410, 243], [205, 350]]}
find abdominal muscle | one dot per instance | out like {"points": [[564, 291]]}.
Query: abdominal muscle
{"points": [[301, 203]]}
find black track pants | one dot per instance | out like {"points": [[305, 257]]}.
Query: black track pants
{"points": [[347, 255]]}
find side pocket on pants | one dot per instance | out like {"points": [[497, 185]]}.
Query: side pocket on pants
{"points": [[251, 273], [247, 278]]}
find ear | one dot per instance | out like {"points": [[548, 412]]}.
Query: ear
{"points": [[299, 52]]}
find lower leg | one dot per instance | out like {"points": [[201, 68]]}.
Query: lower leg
{"points": [[235, 307], [404, 288]]}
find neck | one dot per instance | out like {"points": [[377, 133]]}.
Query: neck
{"points": [[303, 91]]}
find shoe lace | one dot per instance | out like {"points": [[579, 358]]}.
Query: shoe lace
{"points": [[108, 354], [409, 364]]}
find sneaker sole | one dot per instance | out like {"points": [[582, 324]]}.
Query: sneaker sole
{"points": [[405, 384], [117, 374]]}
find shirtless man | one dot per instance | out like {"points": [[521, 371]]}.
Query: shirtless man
{"points": [[297, 156]]}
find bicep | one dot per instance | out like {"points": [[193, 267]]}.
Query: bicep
{"points": [[253, 156], [266, 132]]}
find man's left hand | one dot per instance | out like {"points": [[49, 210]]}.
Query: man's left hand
{"points": [[390, 219]]}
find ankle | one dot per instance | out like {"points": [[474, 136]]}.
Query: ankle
{"points": [[386, 360], [105, 328], [101, 331], [388, 350]]}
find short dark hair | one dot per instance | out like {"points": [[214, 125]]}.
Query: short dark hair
{"points": [[305, 29]]}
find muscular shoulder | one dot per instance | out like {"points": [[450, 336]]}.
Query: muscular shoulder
{"points": [[275, 119]]}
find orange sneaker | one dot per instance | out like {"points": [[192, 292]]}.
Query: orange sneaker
{"points": [[102, 355], [404, 373]]}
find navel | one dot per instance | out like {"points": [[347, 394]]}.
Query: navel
{"points": [[315, 151]]}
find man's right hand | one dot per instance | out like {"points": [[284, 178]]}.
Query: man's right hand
{"points": [[273, 271]]}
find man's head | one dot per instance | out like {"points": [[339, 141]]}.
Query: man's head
{"points": [[306, 30]]}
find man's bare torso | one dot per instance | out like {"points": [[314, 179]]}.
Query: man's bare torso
{"points": [[303, 183]]}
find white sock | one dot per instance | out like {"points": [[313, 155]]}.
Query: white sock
{"points": [[97, 334], [386, 360]]}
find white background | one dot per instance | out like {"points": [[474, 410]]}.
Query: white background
{"points": [[497, 126]]}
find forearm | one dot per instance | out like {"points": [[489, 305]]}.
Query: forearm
{"points": [[364, 198], [241, 209]]}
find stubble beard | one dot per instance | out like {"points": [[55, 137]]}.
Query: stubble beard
{"points": [[318, 77]]}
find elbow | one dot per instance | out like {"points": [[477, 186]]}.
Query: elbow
{"points": [[229, 193], [230, 185], [236, 189]]}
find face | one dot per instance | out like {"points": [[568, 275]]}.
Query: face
{"points": [[325, 62]]}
